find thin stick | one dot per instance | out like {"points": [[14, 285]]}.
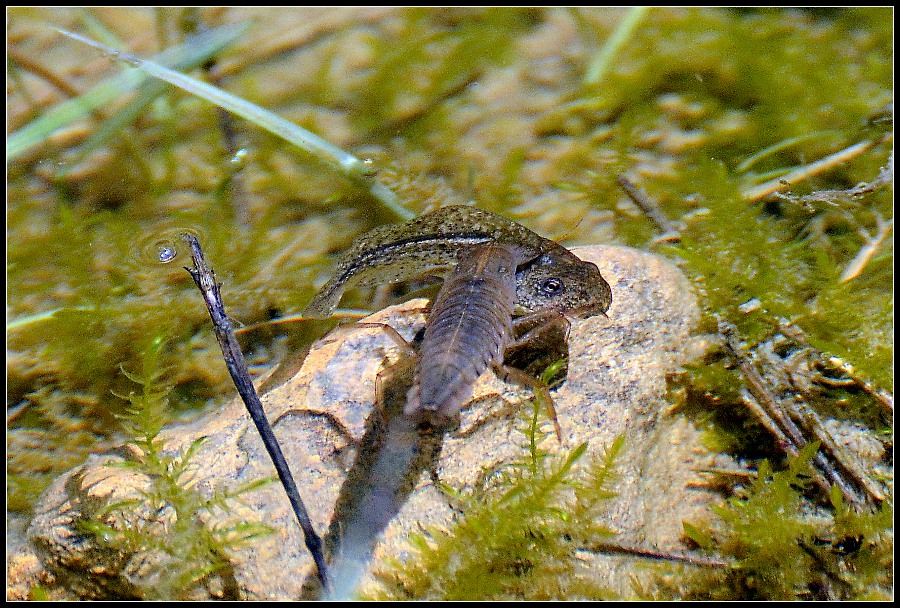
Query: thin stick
{"points": [[788, 445], [788, 432], [849, 196], [883, 397], [206, 282], [807, 171], [795, 333], [841, 456], [26, 63], [867, 251], [650, 208], [671, 556]]}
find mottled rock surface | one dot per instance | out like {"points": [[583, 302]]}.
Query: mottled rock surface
{"points": [[616, 384]]}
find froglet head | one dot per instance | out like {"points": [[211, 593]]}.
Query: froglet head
{"points": [[564, 283]]}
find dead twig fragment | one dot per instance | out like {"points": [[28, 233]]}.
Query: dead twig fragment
{"points": [[26, 63], [671, 556], [764, 419], [651, 209], [771, 413], [805, 172], [849, 464], [850, 195], [793, 332], [205, 280], [885, 398], [858, 263]]}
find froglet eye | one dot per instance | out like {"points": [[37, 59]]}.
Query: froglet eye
{"points": [[552, 286]]}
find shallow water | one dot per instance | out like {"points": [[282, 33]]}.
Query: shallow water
{"points": [[450, 104]]}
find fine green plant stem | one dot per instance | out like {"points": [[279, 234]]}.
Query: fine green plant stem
{"points": [[98, 29], [27, 320], [343, 162], [778, 147], [114, 125], [603, 60]]}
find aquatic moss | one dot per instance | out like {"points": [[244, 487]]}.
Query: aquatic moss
{"points": [[167, 529], [784, 550], [431, 56], [528, 518], [759, 70]]}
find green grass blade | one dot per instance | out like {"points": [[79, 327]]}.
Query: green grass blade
{"points": [[99, 31], [192, 53], [343, 162], [603, 60], [116, 123], [778, 147], [25, 321]]}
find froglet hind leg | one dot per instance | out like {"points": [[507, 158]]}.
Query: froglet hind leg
{"points": [[541, 392], [388, 330]]}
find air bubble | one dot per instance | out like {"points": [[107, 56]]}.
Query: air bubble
{"points": [[161, 247], [165, 253], [239, 157]]}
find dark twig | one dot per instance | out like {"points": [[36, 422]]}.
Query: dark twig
{"points": [[671, 556], [808, 418], [845, 460], [26, 63], [206, 282], [650, 208], [767, 408], [235, 171], [884, 398]]}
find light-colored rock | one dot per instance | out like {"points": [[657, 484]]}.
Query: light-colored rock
{"points": [[616, 384]]}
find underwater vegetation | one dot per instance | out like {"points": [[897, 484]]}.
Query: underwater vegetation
{"points": [[169, 523], [527, 517], [785, 553], [698, 106]]}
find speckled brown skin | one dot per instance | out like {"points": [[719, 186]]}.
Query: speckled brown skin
{"points": [[469, 327], [547, 274]]}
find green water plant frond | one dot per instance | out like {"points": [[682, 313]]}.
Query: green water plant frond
{"points": [[343, 162], [516, 537], [184, 56], [783, 548], [169, 526]]}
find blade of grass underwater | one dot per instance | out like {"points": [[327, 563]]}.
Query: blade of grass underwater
{"points": [[113, 125], [778, 147], [42, 316], [603, 60], [98, 29], [191, 53], [343, 162]]}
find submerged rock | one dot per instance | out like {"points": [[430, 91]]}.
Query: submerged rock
{"points": [[616, 384]]}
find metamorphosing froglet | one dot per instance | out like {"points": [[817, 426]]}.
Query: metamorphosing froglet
{"points": [[548, 276]]}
